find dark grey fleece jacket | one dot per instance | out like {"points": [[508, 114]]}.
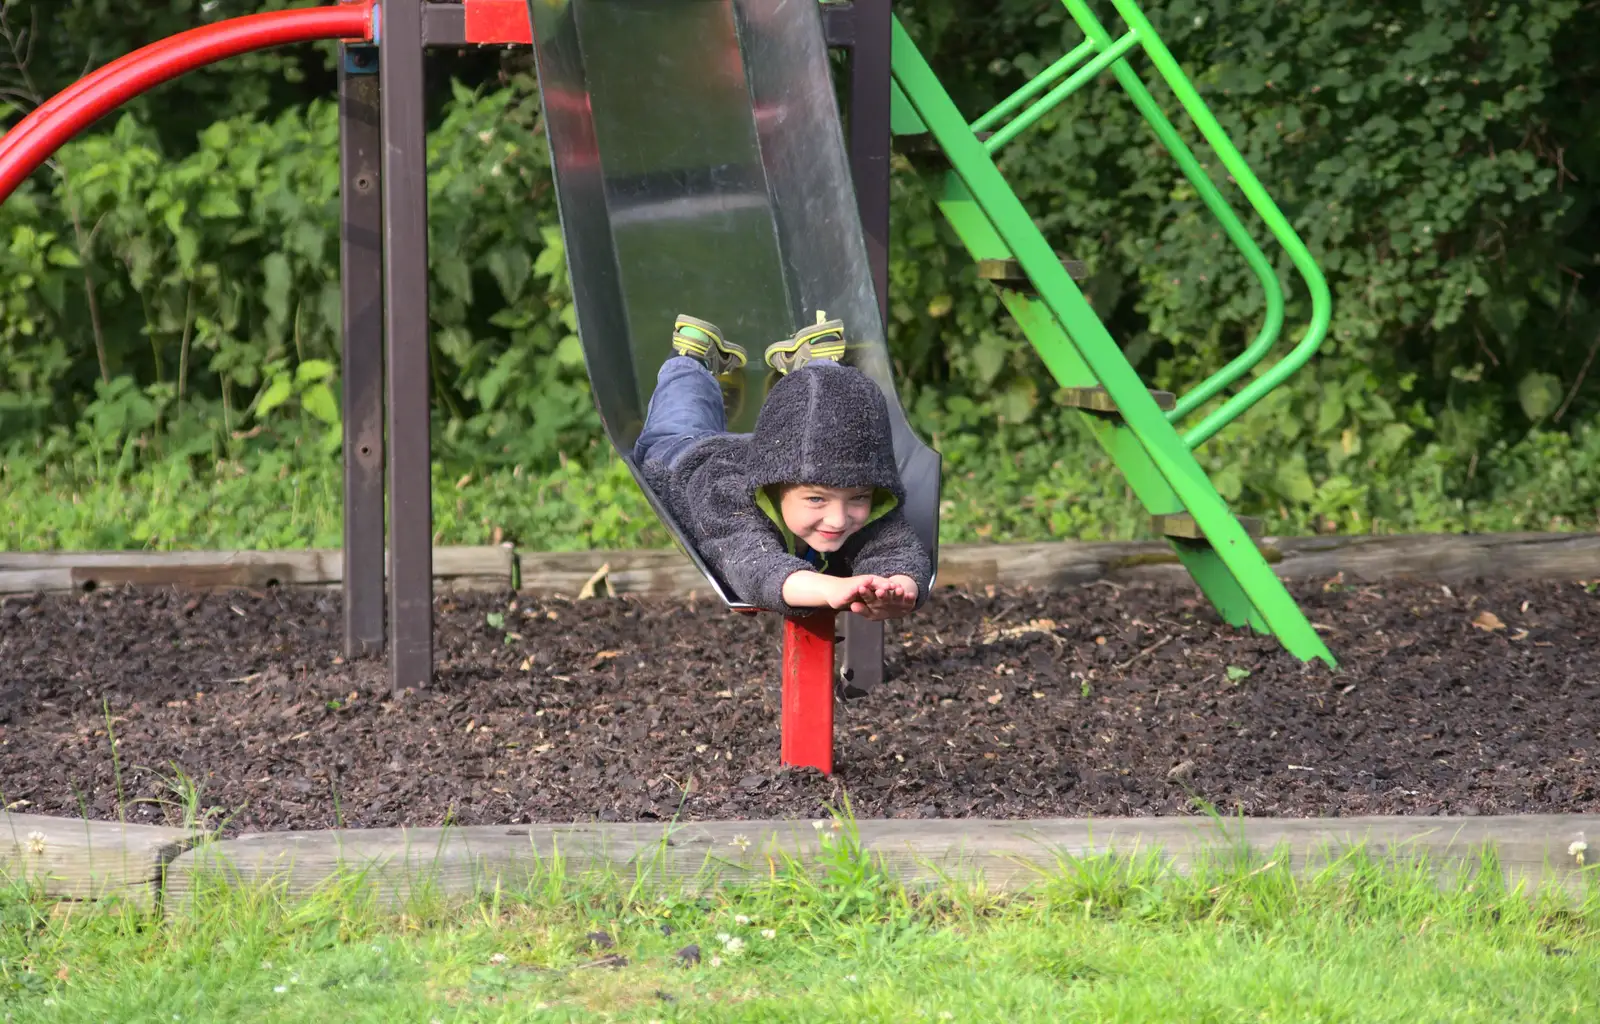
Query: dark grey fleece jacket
{"points": [[824, 424]]}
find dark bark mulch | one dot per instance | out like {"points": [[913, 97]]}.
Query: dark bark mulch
{"points": [[1479, 699]]}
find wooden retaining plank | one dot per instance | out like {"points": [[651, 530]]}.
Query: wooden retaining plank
{"points": [[454, 568], [71, 858], [1443, 557], [1057, 564], [668, 572], [1009, 855]]}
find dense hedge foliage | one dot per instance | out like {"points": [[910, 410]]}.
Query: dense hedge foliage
{"points": [[169, 285]]}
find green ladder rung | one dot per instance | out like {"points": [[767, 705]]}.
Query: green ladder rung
{"points": [[1098, 399], [924, 151], [1181, 525], [1008, 273]]}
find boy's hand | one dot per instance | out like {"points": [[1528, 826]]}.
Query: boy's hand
{"points": [[887, 598], [872, 597], [848, 593]]}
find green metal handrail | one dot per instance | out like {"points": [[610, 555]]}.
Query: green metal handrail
{"points": [[1277, 223], [1035, 85], [1110, 53], [1271, 290], [1113, 52]]}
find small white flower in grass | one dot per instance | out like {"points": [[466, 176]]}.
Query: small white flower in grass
{"points": [[715, 961], [769, 933], [817, 825], [742, 842], [47, 1001], [851, 978], [1577, 850], [723, 937], [36, 842], [740, 919], [498, 958], [266, 965], [734, 946], [946, 1015], [280, 989]]}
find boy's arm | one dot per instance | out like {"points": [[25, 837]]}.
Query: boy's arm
{"points": [[890, 548], [738, 540], [808, 589]]}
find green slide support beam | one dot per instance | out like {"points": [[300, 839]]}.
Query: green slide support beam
{"points": [[1080, 350]]}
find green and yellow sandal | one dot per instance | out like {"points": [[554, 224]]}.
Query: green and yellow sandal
{"points": [[702, 340], [822, 340]]}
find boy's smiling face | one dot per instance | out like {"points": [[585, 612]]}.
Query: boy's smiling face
{"points": [[825, 517]]}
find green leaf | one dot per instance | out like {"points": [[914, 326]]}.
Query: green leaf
{"points": [[279, 279], [217, 204], [318, 400], [1017, 402], [276, 394], [989, 357], [62, 256], [188, 247], [217, 137], [551, 259], [313, 369], [570, 351], [1539, 394], [1294, 480], [510, 268], [455, 277]]}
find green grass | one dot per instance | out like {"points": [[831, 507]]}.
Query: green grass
{"points": [[289, 495], [1097, 939]]}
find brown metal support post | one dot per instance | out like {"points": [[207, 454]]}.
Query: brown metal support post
{"points": [[862, 667], [404, 174], [361, 282]]}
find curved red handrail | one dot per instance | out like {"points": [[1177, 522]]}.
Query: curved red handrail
{"points": [[74, 108]]}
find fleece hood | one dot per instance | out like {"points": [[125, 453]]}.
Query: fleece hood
{"points": [[828, 425]]}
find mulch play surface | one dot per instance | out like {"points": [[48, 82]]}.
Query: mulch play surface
{"points": [[1478, 699]]}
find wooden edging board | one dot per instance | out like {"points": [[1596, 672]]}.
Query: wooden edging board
{"points": [[1057, 564], [394, 864], [79, 859], [668, 572], [490, 567]]}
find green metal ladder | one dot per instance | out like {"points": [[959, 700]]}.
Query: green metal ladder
{"points": [[1135, 425]]}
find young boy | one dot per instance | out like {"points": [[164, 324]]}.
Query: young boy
{"points": [[803, 513]]}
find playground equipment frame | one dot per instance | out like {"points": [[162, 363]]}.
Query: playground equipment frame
{"points": [[384, 277]]}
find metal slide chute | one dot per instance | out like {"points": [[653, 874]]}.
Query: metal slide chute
{"points": [[700, 168]]}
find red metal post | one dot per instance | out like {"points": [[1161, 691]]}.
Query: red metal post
{"points": [[498, 22], [808, 691]]}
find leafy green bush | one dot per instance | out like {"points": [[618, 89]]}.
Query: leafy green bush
{"points": [[169, 314]]}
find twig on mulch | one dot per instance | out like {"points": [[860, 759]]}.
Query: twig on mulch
{"points": [[1147, 651]]}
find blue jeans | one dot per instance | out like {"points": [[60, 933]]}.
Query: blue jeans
{"points": [[686, 406]]}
